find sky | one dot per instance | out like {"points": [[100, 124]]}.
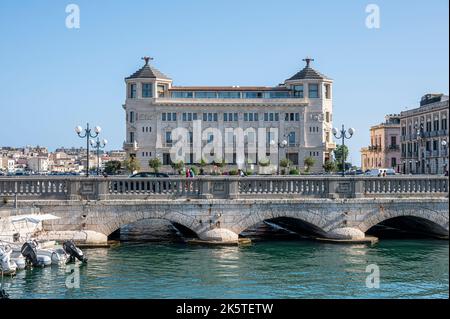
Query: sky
{"points": [[53, 78]]}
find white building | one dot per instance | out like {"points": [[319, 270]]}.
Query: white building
{"points": [[38, 164], [298, 111]]}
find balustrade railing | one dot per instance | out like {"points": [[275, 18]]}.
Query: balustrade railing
{"points": [[33, 187], [75, 188]]}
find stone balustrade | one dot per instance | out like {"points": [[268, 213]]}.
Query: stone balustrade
{"points": [[221, 187]]}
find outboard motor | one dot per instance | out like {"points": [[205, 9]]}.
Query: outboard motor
{"points": [[29, 251], [74, 252]]}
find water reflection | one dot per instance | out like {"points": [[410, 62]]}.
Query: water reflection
{"points": [[265, 269]]}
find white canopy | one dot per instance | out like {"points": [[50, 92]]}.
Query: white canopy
{"points": [[34, 218]]}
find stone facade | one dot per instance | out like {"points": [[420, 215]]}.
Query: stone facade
{"points": [[424, 136], [300, 109], [384, 148]]}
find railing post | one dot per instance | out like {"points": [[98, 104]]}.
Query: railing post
{"points": [[205, 192], [102, 189], [233, 188], [358, 188], [332, 188], [73, 189]]}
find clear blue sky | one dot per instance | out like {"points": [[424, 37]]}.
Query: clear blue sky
{"points": [[53, 78]]}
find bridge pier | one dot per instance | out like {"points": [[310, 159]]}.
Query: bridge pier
{"points": [[219, 235], [346, 233]]}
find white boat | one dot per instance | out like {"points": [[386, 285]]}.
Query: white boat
{"points": [[7, 266]]}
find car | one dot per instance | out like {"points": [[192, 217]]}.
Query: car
{"points": [[380, 171], [148, 175]]}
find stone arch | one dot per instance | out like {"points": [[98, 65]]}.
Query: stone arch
{"points": [[119, 220], [308, 217], [439, 219]]}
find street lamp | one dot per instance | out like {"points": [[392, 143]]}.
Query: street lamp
{"points": [[97, 144], [280, 145], [343, 136], [87, 135]]}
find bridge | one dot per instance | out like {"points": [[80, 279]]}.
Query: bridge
{"points": [[218, 208]]}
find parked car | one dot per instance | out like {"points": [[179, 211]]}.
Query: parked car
{"points": [[148, 174], [380, 171]]}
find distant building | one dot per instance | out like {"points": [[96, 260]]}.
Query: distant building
{"points": [[424, 136], [384, 148], [38, 164]]}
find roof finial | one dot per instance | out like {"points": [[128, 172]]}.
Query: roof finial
{"points": [[146, 59], [308, 61]]}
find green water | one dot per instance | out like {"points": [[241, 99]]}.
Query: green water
{"points": [[270, 269]]}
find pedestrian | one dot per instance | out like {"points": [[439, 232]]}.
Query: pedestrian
{"points": [[192, 172], [188, 172]]}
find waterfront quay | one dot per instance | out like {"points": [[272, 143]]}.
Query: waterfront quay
{"points": [[219, 209]]}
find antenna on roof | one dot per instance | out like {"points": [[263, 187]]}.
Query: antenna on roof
{"points": [[308, 61], [146, 59]]}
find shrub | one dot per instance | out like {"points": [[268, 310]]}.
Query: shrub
{"points": [[285, 162], [233, 172], [309, 162], [294, 171], [264, 162], [131, 164], [177, 165], [194, 170], [155, 164]]}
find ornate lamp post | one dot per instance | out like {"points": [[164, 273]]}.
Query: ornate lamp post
{"points": [[87, 135], [281, 144], [343, 135], [97, 144]]}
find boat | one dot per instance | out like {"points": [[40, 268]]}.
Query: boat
{"points": [[7, 266]]}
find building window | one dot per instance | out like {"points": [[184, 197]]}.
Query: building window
{"points": [[168, 138], [131, 137], [166, 159], [253, 95], [250, 117], [146, 90], [132, 91], [436, 124], [298, 91], [210, 117], [182, 95], [277, 95], [393, 141], [327, 91], [291, 139], [229, 95], [327, 117], [131, 117], [161, 90], [205, 95], [444, 124], [313, 91]]}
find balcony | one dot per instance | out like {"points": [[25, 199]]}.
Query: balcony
{"points": [[374, 148], [394, 148], [130, 146]]}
